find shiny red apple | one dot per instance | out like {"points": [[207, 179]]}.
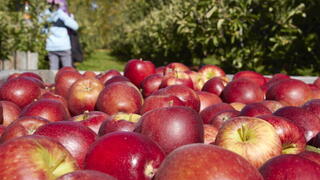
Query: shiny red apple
{"points": [[137, 69]]}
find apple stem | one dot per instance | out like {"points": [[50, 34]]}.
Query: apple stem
{"points": [[149, 170], [243, 132]]}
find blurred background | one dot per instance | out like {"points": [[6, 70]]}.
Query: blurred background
{"points": [[265, 36]]}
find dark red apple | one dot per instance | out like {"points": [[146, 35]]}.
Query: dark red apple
{"points": [[118, 78], [195, 161], [21, 91], [64, 81], [272, 105], [34, 157], [242, 90], [313, 105], [2, 129], [313, 156], [83, 95], [86, 175], [54, 96], [315, 141], [158, 101], [291, 135], [105, 76], [125, 156], [221, 117], [22, 127], [172, 127], [214, 85], [290, 91], [255, 77], [49, 109], [91, 119], [9, 112], [120, 97], [209, 112], [151, 84], [207, 99], [137, 69], [75, 137], [160, 70], [290, 166], [31, 74], [254, 109]]}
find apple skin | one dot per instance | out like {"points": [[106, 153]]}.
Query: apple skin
{"points": [[31, 74], [2, 129], [22, 127], [209, 71], [86, 175], [34, 157], [119, 97], [151, 84], [210, 133], [54, 96], [214, 85], [238, 105], [83, 95], [313, 105], [113, 79], [64, 81], [242, 90], [49, 109], [8, 112], [177, 77], [313, 156], [91, 119], [253, 138], [195, 161], [75, 137], [137, 69], [293, 92], [209, 112], [184, 93], [125, 156], [63, 69], [272, 105], [303, 118], [104, 77], [221, 117], [172, 127], [207, 99], [254, 109], [290, 166], [255, 77], [291, 135], [21, 91], [175, 67], [158, 101]]}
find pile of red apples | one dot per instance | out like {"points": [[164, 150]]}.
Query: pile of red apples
{"points": [[161, 123]]}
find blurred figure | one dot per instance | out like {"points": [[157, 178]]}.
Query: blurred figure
{"points": [[58, 42]]}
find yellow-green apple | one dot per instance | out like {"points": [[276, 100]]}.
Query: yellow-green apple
{"points": [[120, 97], [151, 84], [205, 162], [91, 119], [254, 109], [291, 135], [242, 90], [34, 157], [293, 92], [125, 156], [64, 81], [75, 137], [210, 133], [49, 109], [9, 112], [83, 95], [22, 127], [137, 69], [105, 76], [119, 122], [303, 118], [253, 138], [255, 77], [214, 85], [86, 175], [172, 127], [290, 166], [207, 99], [209, 112], [21, 91], [158, 101]]}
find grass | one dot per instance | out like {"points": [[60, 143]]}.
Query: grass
{"points": [[101, 60]]}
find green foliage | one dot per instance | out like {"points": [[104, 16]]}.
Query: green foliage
{"points": [[266, 36]]}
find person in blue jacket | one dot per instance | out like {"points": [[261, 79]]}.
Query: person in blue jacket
{"points": [[58, 41]]}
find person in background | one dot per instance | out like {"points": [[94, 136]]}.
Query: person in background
{"points": [[58, 42]]}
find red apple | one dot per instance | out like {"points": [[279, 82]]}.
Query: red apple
{"points": [[31, 74], [113, 79], [214, 85], [272, 105], [315, 91], [34, 157], [316, 82], [207, 99], [120, 97], [20, 90], [290, 91], [137, 69], [89, 74], [22, 127], [105, 76], [64, 81], [175, 67], [151, 84], [8, 112], [209, 112], [313, 156], [160, 70], [291, 135], [172, 127], [86, 175], [197, 79], [177, 78], [2, 129], [205, 162], [49, 109], [83, 95], [290, 166], [313, 105], [210, 133], [253, 138], [75, 137], [255, 77], [303, 118], [210, 71], [254, 109], [221, 117], [91, 119], [237, 105], [242, 90], [63, 69], [158, 101], [125, 156], [53, 96]]}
